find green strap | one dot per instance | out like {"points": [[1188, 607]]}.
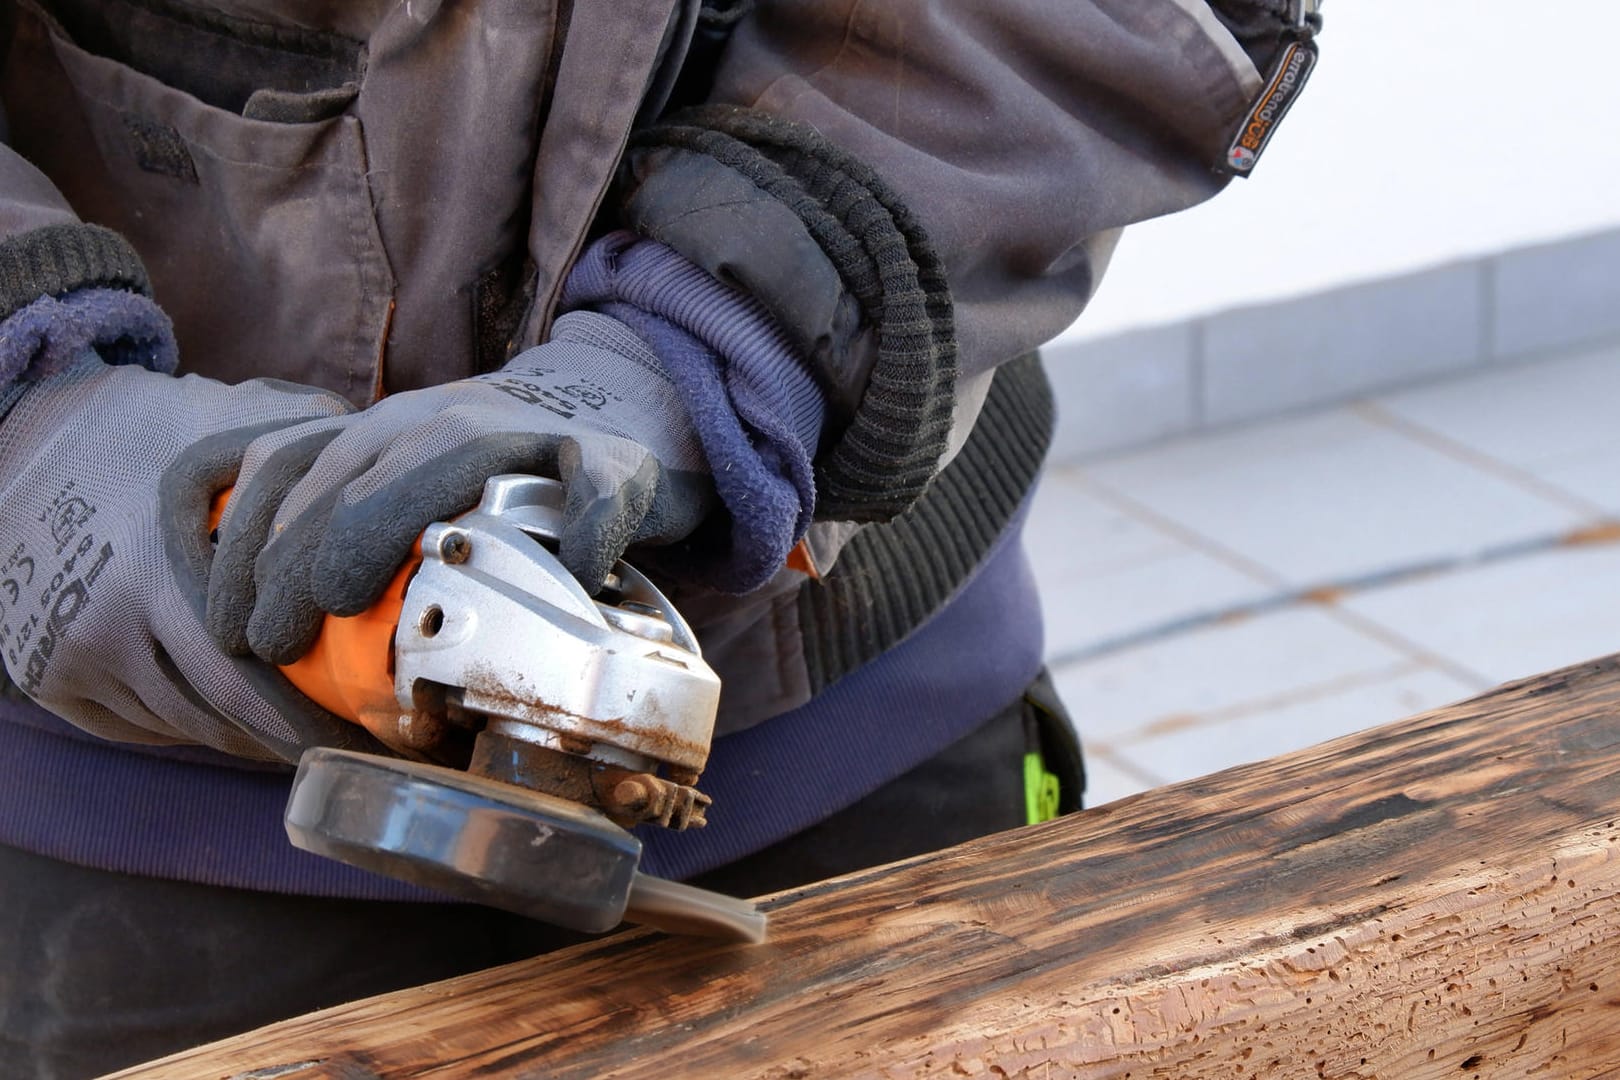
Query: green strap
{"points": [[1040, 790]]}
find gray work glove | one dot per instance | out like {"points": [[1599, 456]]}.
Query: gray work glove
{"points": [[106, 476], [326, 514]]}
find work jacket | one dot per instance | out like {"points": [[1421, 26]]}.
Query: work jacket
{"points": [[377, 195]]}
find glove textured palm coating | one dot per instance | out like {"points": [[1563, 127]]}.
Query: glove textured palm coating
{"points": [[327, 513], [106, 474]]}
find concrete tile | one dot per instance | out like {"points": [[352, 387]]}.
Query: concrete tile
{"points": [[1105, 575], [1513, 618], [1528, 415], [1106, 781], [1121, 391], [1325, 347], [1330, 497], [1074, 533], [1225, 666], [1557, 419], [1199, 748], [1079, 613], [1555, 295]]}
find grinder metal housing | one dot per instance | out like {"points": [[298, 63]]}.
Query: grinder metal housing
{"points": [[575, 718]]}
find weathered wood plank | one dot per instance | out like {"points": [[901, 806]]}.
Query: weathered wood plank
{"points": [[1438, 897]]}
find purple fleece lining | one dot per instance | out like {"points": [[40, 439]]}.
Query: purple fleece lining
{"points": [[50, 333], [760, 362], [756, 409], [769, 513], [96, 804]]}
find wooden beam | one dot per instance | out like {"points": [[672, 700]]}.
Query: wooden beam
{"points": [[1438, 897]]}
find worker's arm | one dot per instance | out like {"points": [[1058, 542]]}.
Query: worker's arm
{"points": [[1023, 134], [47, 253], [45, 250], [852, 153]]}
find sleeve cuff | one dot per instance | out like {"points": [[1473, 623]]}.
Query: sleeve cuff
{"points": [[761, 363], [49, 334], [60, 259], [864, 238]]}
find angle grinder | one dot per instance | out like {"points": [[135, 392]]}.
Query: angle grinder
{"points": [[535, 725]]}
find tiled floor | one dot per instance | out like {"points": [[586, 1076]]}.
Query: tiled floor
{"points": [[1227, 598]]}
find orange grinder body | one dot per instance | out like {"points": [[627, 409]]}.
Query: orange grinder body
{"points": [[350, 669]]}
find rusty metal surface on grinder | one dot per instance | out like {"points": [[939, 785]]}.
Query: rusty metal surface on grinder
{"points": [[628, 796]]}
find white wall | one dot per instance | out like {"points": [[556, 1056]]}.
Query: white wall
{"points": [[1432, 129]]}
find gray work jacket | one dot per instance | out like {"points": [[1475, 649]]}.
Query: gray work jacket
{"points": [[377, 195]]}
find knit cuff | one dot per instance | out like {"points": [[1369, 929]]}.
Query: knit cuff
{"points": [[59, 259], [891, 447], [891, 578]]}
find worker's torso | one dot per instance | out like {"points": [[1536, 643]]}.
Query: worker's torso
{"points": [[364, 195], [378, 195]]}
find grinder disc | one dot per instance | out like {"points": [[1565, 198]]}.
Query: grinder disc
{"points": [[496, 844]]}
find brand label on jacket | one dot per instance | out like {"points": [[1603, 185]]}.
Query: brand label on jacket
{"points": [[1288, 75]]}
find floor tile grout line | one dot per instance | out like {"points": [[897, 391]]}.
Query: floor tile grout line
{"points": [[1376, 413], [1288, 595], [1120, 763], [1190, 537], [1395, 640], [1163, 547], [1147, 733], [1326, 595]]}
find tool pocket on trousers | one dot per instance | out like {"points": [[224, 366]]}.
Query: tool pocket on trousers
{"points": [[1055, 770], [223, 151]]}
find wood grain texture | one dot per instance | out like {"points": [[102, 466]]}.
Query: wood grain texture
{"points": [[1435, 898]]}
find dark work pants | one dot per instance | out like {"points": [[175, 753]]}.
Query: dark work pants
{"points": [[100, 970]]}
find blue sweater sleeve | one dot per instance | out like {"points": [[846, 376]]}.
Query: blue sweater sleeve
{"points": [[757, 408]]}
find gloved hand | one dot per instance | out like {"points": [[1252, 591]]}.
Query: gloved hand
{"points": [[325, 514], [106, 475]]}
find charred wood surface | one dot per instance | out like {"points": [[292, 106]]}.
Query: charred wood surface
{"points": [[1439, 897]]}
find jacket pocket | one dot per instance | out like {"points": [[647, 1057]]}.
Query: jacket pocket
{"points": [[257, 230]]}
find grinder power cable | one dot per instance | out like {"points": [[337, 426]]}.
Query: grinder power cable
{"points": [[536, 725]]}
